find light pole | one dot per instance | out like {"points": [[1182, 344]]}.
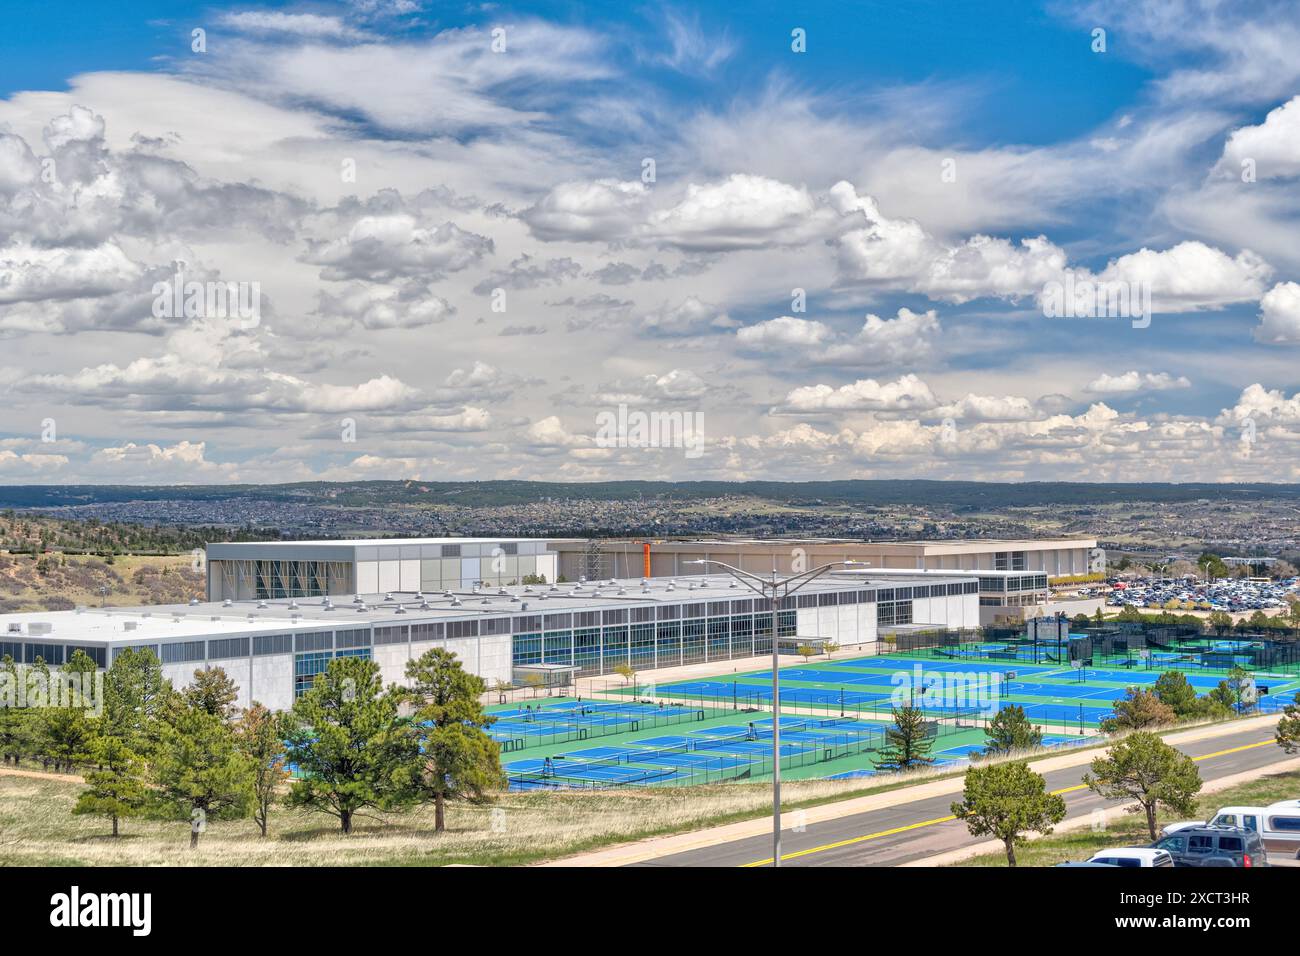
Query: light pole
{"points": [[775, 590]]}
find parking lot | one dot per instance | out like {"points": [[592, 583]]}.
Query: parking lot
{"points": [[1233, 595]]}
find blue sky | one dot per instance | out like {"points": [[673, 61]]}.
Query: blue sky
{"points": [[454, 245]]}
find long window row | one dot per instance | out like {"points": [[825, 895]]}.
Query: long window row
{"points": [[646, 646], [307, 666]]}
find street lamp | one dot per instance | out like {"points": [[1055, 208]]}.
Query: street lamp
{"points": [[775, 591]]}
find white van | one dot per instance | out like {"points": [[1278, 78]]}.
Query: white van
{"points": [[1277, 824], [1137, 856]]}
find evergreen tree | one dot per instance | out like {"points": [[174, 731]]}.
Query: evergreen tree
{"points": [[259, 734], [1010, 731], [65, 730], [1288, 727], [907, 745], [456, 758], [134, 696], [1007, 801], [213, 692], [1173, 690], [197, 772], [1138, 709], [348, 744], [14, 733], [1145, 769], [116, 789]]}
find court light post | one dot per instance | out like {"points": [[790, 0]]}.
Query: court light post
{"points": [[775, 590]]}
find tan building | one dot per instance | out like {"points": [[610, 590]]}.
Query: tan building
{"points": [[1055, 557], [1016, 586]]}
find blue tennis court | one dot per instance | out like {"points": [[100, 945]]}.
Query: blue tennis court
{"points": [[715, 753]]}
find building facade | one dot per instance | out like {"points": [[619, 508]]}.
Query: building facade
{"points": [[274, 647], [305, 569]]}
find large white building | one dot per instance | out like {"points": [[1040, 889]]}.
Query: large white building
{"points": [[274, 647], [288, 569]]}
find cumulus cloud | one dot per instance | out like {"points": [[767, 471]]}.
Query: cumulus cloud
{"points": [[907, 393], [690, 317], [1272, 147], [410, 305], [784, 331], [384, 248], [1279, 315], [906, 338], [1134, 381]]}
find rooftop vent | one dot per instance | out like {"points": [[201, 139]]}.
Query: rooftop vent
{"points": [[388, 595], [400, 610], [227, 603], [194, 602], [126, 626], [356, 599]]}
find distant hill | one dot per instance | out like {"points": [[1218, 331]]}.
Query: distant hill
{"points": [[958, 495]]}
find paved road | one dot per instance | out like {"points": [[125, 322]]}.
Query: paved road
{"points": [[922, 828]]}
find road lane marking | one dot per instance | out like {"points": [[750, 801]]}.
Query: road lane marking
{"points": [[937, 820]]}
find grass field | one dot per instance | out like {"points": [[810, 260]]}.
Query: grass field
{"points": [[1130, 829], [57, 582], [37, 827]]}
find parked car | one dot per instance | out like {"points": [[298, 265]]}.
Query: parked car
{"points": [[1169, 828], [1104, 866], [1133, 856], [1217, 846]]}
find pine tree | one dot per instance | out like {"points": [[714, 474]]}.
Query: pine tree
{"points": [[213, 692], [1138, 709], [259, 734], [135, 693], [907, 745], [1173, 690], [1288, 727], [456, 758], [116, 789], [14, 720], [1010, 731], [1145, 769], [348, 744], [197, 772], [1007, 801]]}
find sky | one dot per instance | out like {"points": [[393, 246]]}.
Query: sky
{"points": [[393, 239]]}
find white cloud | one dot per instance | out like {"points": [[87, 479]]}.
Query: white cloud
{"points": [[690, 317], [1134, 381], [297, 24], [1279, 315], [1273, 146], [907, 393], [783, 331], [383, 248]]}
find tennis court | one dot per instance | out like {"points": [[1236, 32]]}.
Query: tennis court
{"points": [[866, 686], [723, 752], [524, 726]]}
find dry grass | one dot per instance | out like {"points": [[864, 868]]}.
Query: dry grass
{"points": [[37, 828]]}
